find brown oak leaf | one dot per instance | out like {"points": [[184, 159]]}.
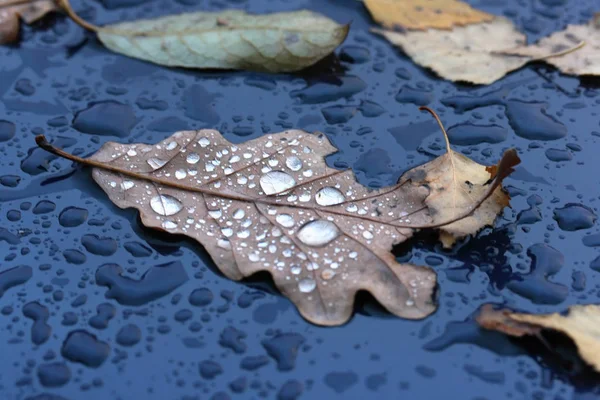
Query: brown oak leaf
{"points": [[272, 204]]}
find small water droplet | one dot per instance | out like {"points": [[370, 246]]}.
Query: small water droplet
{"points": [[285, 220], [224, 244], [156, 163], [169, 225], [296, 269], [410, 303], [253, 257], [126, 185], [275, 182], [352, 208], [329, 196], [180, 174], [239, 214], [165, 205], [209, 167], [243, 234], [131, 153], [193, 158], [293, 163], [307, 285], [216, 214], [308, 173], [227, 232], [367, 235], [234, 159], [171, 146], [305, 197], [318, 233], [203, 142]]}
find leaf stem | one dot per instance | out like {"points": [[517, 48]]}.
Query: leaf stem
{"points": [[504, 168], [562, 52], [430, 111], [76, 18]]}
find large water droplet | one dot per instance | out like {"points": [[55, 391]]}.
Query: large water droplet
{"points": [[165, 205], [293, 163], [155, 163], [276, 182], [285, 220], [318, 233], [307, 285], [193, 158], [329, 196]]}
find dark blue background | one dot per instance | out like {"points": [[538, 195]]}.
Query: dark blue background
{"points": [[250, 342]]}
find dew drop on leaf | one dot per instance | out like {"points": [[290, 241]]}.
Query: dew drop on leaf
{"points": [[165, 205], [180, 174], [307, 285], [329, 196], [216, 214], [367, 235], [192, 158], [327, 274], [156, 163], [171, 146], [293, 163], [126, 185], [169, 225], [285, 220], [276, 182], [296, 269], [239, 214], [227, 232], [318, 233], [203, 142]]}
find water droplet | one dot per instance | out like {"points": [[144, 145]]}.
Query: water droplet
{"points": [[307, 285], [273, 163], [352, 208], [367, 235], [180, 174], [308, 173], [239, 214], [224, 244], [131, 153], [216, 214], [165, 205], [126, 185], [276, 182], [327, 274], [203, 142], [227, 232], [209, 167], [169, 225], [318, 233], [242, 180], [293, 163], [285, 220], [296, 269], [155, 163], [304, 197], [171, 145], [329, 196], [253, 257], [243, 234], [410, 303], [234, 159], [192, 158]]}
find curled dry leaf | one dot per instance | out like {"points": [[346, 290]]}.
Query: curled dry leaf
{"points": [[272, 204], [482, 53], [27, 10], [581, 324], [233, 39], [424, 14]]}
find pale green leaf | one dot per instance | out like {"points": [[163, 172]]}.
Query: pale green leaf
{"points": [[279, 42]]}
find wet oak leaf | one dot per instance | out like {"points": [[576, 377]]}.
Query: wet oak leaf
{"points": [[230, 39], [581, 324], [11, 11], [272, 204], [424, 14]]}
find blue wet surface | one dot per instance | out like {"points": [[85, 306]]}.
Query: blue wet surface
{"points": [[95, 306]]}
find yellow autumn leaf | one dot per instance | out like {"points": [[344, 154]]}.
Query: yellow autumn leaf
{"points": [[424, 14]]}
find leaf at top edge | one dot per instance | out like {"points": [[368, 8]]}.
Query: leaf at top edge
{"points": [[278, 42], [581, 324], [424, 14], [28, 10], [272, 204]]}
